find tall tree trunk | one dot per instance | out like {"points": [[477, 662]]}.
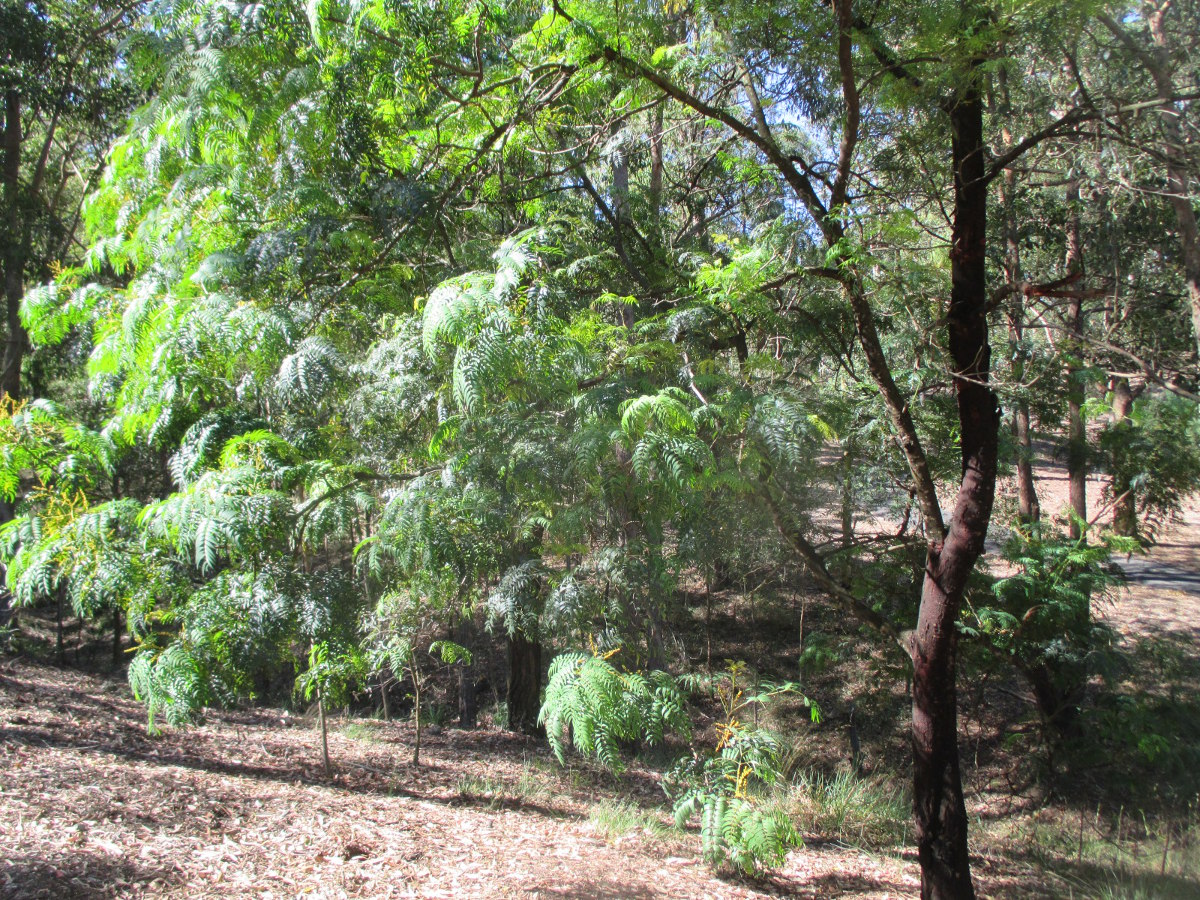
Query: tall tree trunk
{"points": [[939, 808], [1029, 510], [622, 222], [416, 680], [847, 506], [524, 683], [1077, 445], [656, 165], [15, 251]]}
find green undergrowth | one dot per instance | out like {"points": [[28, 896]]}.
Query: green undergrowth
{"points": [[617, 817], [869, 812]]}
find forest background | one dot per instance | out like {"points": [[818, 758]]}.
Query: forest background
{"points": [[419, 347]]}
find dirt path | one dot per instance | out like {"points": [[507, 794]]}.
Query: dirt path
{"points": [[1162, 595]]}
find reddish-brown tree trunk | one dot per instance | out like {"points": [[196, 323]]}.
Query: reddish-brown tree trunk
{"points": [[939, 809]]}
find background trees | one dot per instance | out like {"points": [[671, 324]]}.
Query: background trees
{"points": [[413, 317]]}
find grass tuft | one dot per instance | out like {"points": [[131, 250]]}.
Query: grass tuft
{"points": [[614, 818], [862, 812]]}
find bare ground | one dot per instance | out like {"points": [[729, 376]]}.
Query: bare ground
{"points": [[91, 806]]}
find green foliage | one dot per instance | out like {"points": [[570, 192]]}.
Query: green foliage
{"points": [[333, 670], [745, 834], [397, 311], [1043, 610], [449, 653], [1155, 453], [738, 825], [601, 707]]}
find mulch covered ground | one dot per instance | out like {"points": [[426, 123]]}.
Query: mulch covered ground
{"points": [[92, 806]]}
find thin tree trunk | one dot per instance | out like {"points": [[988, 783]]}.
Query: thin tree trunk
{"points": [[656, 164], [383, 696], [1028, 508], [468, 700], [324, 734], [847, 506], [416, 679], [708, 586], [622, 224], [1077, 446], [939, 808]]}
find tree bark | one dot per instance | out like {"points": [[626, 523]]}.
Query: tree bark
{"points": [[1077, 446], [15, 251], [847, 512], [324, 734], [383, 696], [524, 683], [939, 808], [468, 701], [656, 165], [416, 680], [1029, 509]]}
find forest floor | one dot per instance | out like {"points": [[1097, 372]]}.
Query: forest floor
{"points": [[91, 805]]}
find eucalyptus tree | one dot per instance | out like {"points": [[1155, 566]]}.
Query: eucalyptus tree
{"points": [[832, 199], [1156, 45], [65, 99]]}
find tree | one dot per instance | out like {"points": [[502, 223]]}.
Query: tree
{"points": [[1162, 39], [64, 100]]}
